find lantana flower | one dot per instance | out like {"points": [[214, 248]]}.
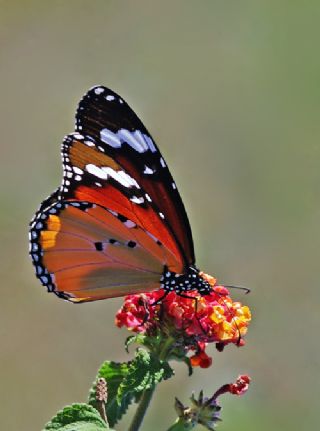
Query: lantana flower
{"points": [[192, 322]]}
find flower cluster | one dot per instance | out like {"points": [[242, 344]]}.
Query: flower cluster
{"points": [[193, 321]]}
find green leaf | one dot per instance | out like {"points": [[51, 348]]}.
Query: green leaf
{"points": [[131, 339], [144, 372], [113, 373], [127, 381], [138, 338], [77, 417]]}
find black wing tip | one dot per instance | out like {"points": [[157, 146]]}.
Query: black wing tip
{"points": [[98, 91], [98, 94]]}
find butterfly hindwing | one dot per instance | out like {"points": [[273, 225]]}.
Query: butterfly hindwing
{"points": [[112, 124], [84, 252]]}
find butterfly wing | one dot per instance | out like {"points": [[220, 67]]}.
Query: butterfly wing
{"points": [[85, 252], [117, 220], [93, 176], [117, 130]]}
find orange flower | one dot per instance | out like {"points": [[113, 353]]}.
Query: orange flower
{"points": [[192, 321]]}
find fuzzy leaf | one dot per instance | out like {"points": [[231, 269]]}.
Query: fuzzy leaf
{"points": [[138, 338], [127, 381], [144, 372], [77, 417], [130, 340]]}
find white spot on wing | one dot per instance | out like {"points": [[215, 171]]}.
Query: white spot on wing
{"points": [[137, 140], [110, 138], [162, 163], [78, 136], [137, 200], [150, 143], [134, 140], [130, 224], [148, 170], [99, 90], [141, 138], [77, 170], [96, 171], [105, 172], [124, 178], [110, 97]]}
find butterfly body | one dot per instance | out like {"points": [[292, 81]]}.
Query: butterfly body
{"points": [[117, 224]]}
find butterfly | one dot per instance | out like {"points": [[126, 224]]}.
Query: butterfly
{"points": [[117, 224]]}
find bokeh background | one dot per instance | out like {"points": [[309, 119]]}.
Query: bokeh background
{"points": [[230, 91]]}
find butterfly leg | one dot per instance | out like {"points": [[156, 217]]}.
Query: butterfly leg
{"points": [[195, 299], [143, 303], [159, 301]]}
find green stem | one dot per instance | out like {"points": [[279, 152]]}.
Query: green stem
{"points": [[141, 410], [147, 394], [165, 349]]}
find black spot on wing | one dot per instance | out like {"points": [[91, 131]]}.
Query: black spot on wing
{"points": [[131, 244], [98, 246]]}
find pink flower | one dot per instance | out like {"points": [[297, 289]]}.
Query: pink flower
{"points": [[240, 386], [193, 321]]}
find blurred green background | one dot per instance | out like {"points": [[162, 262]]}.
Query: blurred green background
{"points": [[230, 91]]}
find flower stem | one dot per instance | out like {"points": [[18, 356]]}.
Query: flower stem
{"points": [[141, 410], [147, 394], [166, 348]]}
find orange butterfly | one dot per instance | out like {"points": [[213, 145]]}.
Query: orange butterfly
{"points": [[117, 224]]}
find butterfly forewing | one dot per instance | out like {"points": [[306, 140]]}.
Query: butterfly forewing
{"points": [[84, 252], [93, 176], [112, 124]]}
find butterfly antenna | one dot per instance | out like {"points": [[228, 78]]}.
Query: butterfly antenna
{"points": [[245, 289]]}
